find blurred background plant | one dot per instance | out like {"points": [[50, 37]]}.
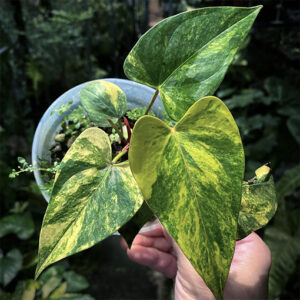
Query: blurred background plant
{"points": [[47, 47]]}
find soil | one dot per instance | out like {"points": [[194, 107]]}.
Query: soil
{"points": [[63, 141]]}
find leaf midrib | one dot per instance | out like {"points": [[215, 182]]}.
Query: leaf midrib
{"points": [[113, 111], [173, 132]]}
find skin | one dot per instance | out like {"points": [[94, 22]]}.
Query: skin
{"points": [[247, 279]]}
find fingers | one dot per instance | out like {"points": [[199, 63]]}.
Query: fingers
{"points": [[156, 231], [154, 239], [253, 251], [159, 243], [152, 248], [161, 261]]}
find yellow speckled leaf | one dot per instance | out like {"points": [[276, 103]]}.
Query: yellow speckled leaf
{"points": [[258, 204], [186, 56], [102, 100], [191, 177], [91, 199]]}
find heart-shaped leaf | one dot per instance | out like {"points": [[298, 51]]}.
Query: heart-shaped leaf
{"points": [[288, 183], [186, 56], [102, 100], [20, 224], [91, 199], [191, 177], [10, 265], [258, 205], [75, 282], [25, 290], [293, 124]]}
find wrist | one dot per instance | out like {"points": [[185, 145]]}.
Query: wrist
{"points": [[191, 288]]}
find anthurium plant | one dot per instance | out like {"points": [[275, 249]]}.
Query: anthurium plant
{"points": [[189, 176]]}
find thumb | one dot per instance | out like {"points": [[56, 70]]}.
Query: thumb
{"points": [[189, 284]]}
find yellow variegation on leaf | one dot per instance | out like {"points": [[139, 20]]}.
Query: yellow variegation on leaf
{"points": [[191, 177], [102, 100], [187, 55], [258, 204], [91, 199]]}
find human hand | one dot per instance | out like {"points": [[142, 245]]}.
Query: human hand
{"points": [[248, 275]]}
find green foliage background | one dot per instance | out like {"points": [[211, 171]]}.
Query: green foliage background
{"points": [[47, 47]]}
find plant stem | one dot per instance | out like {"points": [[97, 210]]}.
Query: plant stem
{"points": [[152, 101], [120, 125], [122, 153], [115, 127]]}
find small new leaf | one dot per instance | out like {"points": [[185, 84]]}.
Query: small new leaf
{"points": [[103, 100], [258, 204]]}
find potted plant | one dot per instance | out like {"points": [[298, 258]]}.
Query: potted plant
{"points": [[190, 175], [137, 95]]}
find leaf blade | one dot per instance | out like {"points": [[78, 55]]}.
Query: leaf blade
{"points": [[10, 265], [20, 224], [185, 74], [102, 100], [91, 199], [258, 206], [178, 194]]}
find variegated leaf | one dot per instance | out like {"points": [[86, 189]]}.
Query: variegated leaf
{"points": [[102, 100], [91, 199], [258, 204], [186, 56], [191, 177]]}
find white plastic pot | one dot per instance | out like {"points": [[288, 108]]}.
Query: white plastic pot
{"points": [[138, 95]]}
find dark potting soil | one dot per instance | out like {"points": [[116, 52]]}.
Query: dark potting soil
{"points": [[63, 141]]}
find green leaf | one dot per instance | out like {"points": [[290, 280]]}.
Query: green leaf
{"points": [[76, 297], [293, 124], [288, 183], [5, 295], [10, 265], [258, 206], [30, 289], [285, 248], [26, 290], [281, 91], [51, 279], [54, 271], [21, 225], [246, 97], [191, 177], [239, 101], [59, 291], [75, 282], [50, 286], [186, 56], [103, 100], [30, 259], [91, 199]]}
